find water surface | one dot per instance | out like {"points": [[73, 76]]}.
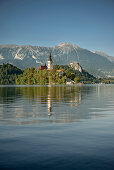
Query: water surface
{"points": [[57, 127]]}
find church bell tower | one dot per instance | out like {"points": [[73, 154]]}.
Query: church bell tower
{"points": [[50, 65]]}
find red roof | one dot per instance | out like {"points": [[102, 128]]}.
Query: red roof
{"points": [[43, 68]]}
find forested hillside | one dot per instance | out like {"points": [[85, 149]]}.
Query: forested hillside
{"points": [[59, 75], [32, 76], [8, 74]]}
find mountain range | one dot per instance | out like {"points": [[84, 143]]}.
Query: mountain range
{"points": [[23, 56]]}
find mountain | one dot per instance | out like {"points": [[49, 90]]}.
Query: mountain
{"points": [[24, 56], [110, 58]]}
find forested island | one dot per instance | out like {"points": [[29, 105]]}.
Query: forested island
{"points": [[60, 74]]}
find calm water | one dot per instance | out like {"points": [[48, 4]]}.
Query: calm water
{"points": [[59, 127]]}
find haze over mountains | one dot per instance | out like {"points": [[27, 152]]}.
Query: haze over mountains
{"points": [[23, 56], [105, 55]]}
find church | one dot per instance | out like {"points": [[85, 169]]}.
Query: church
{"points": [[49, 65]]}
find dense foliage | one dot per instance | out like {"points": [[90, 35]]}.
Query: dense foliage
{"points": [[8, 74], [34, 76], [76, 76], [107, 80]]}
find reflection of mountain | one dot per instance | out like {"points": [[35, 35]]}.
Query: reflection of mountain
{"points": [[32, 104]]}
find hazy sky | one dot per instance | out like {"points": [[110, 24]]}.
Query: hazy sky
{"points": [[86, 23]]}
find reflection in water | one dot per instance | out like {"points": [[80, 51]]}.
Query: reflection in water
{"points": [[65, 104], [33, 145], [49, 101]]}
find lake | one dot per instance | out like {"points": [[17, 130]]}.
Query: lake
{"points": [[57, 127]]}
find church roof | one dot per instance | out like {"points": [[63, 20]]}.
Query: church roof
{"points": [[43, 67], [50, 59]]}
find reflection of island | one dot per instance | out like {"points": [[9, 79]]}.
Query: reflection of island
{"points": [[69, 95], [33, 104], [9, 94], [75, 99]]}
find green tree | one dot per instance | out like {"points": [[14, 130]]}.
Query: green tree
{"points": [[76, 79]]}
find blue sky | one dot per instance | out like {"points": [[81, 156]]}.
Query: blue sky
{"points": [[86, 23]]}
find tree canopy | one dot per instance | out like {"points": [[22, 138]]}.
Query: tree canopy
{"points": [[8, 74]]}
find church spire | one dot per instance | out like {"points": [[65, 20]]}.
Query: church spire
{"points": [[50, 59]]}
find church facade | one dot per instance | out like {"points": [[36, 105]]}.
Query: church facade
{"points": [[49, 64]]}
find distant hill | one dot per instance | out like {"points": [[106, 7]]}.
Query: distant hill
{"points": [[110, 58], [8, 74], [33, 56]]}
